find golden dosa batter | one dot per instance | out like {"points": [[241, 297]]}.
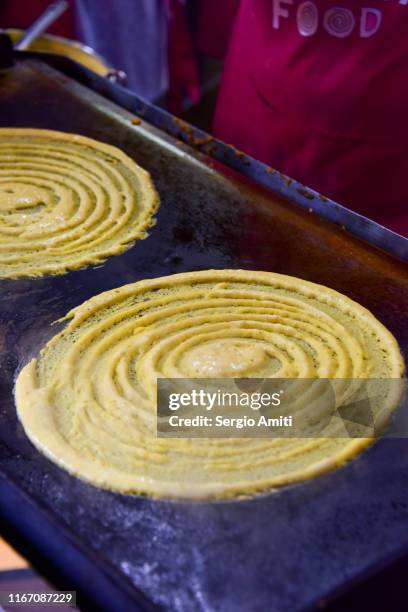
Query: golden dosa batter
{"points": [[67, 201], [88, 402]]}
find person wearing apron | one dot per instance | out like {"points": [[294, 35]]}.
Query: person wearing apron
{"points": [[318, 90]]}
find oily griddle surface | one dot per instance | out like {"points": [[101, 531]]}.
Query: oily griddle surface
{"points": [[281, 551]]}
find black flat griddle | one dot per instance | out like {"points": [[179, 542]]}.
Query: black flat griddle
{"points": [[282, 551]]}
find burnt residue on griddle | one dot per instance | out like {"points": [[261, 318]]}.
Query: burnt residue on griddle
{"points": [[305, 193], [188, 132]]}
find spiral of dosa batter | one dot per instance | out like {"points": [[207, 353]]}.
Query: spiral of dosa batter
{"points": [[89, 401], [67, 201]]}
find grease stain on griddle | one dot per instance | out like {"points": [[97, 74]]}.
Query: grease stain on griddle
{"points": [[184, 233]]}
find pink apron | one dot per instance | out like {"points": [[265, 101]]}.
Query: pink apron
{"points": [[319, 90]]}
